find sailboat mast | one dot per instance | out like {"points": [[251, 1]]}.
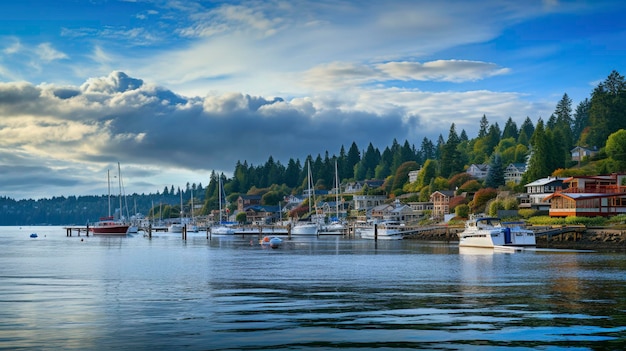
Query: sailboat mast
{"points": [[336, 191], [119, 179], [309, 183], [219, 196], [109, 186]]}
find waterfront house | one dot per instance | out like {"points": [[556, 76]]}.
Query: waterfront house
{"points": [[367, 202], [244, 201], [590, 196], [539, 190]]}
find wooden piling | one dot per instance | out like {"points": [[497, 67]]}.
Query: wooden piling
{"points": [[375, 231]]}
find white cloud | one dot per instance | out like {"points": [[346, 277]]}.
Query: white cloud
{"points": [[47, 53]]}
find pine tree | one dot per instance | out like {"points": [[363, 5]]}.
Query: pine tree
{"points": [[510, 130], [495, 176], [581, 120], [539, 162], [484, 124]]}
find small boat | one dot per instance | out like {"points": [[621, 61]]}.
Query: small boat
{"points": [[305, 228], [175, 228], [33, 235], [109, 226], [384, 230], [490, 232], [222, 230], [273, 242]]}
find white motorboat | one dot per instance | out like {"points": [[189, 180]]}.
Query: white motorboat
{"points": [[305, 228], [490, 232], [385, 230]]}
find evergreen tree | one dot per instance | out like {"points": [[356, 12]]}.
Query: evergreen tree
{"points": [[510, 130], [495, 175], [581, 119], [451, 158], [427, 149], [353, 158], [383, 170], [292, 173], [607, 113], [484, 124], [528, 128], [539, 162]]}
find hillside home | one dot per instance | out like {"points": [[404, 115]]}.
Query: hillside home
{"points": [[441, 202], [393, 212], [258, 214], [590, 196], [244, 201], [367, 202], [478, 171], [514, 172], [538, 191], [579, 153]]}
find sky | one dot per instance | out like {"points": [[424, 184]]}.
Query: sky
{"points": [[174, 89]]}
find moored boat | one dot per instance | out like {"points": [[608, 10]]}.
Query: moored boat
{"points": [[305, 228], [385, 230], [273, 242], [109, 226], [491, 233]]}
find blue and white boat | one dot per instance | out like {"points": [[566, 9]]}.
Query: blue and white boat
{"points": [[491, 233]]}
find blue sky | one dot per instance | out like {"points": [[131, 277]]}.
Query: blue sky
{"points": [[175, 89]]}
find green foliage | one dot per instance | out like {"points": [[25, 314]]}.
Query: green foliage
{"points": [[481, 198], [495, 206], [616, 148], [526, 213], [470, 186], [241, 218], [462, 211]]}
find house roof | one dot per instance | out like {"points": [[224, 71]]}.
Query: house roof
{"points": [[581, 196], [250, 197], [545, 181], [262, 208]]}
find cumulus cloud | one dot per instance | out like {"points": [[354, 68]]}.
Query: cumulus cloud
{"points": [[339, 74], [121, 118]]}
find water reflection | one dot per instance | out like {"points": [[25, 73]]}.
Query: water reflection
{"points": [[229, 293]]}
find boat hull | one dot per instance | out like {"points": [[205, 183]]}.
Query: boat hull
{"points": [[305, 229], [110, 230]]}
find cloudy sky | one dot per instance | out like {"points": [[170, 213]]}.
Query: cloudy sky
{"points": [[173, 89]]}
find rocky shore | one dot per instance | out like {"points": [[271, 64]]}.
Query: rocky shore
{"points": [[598, 239]]}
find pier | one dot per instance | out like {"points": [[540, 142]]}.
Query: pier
{"points": [[78, 230]]}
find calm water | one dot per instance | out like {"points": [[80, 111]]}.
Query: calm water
{"points": [[162, 294]]}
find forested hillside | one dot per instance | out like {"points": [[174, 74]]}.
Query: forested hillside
{"points": [[545, 147]]}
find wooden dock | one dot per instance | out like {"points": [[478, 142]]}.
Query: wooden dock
{"points": [[70, 230]]}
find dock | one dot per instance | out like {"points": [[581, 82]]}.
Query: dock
{"points": [[71, 229]]}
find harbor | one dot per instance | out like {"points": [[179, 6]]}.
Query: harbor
{"points": [[329, 292]]}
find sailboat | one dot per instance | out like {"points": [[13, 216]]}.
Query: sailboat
{"points": [[192, 227], [108, 225], [307, 227], [335, 227], [178, 227], [220, 228]]}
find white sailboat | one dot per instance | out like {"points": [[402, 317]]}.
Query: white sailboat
{"points": [[178, 227], [220, 228], [335, 227], [307, 227]]}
